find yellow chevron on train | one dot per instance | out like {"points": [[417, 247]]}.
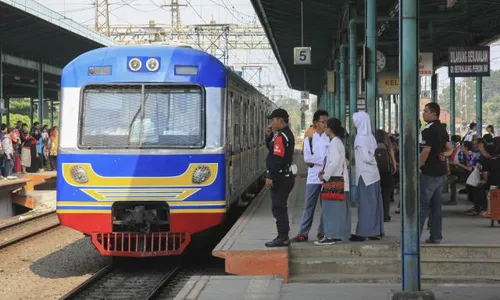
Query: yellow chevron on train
{"points": [[83, 175], [141, 194]]}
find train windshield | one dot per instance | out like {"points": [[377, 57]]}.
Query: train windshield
{"points": [[142, 116]]}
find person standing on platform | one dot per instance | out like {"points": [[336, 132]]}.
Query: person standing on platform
{"points": [[280, 176], [315, 150], [369, 194], [434, 148], [336, 214]]}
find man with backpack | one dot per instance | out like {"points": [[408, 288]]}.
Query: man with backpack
{"points": [[315, 150]]}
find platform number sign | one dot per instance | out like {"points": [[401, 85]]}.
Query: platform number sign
{"points": [[302, 55], [304, 95]]}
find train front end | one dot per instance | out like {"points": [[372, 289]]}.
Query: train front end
{"points": [[141, 165]]}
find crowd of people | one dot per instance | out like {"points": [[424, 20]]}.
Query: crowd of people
{"points": [[24, 150], [472, 160]]}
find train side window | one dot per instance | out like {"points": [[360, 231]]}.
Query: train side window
{"points": [[236, 123], [243, 122]]}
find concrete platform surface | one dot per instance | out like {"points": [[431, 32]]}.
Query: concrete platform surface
{"points": [[271, 288]]}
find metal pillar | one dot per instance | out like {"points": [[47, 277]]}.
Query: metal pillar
{"points": [[353, 93], [410, 200], [52, 113], [40, 94], [337, 91], [452, 106], [342, 76], [31, 111], [332, 105], [383, 113], [371, 45], [377, 109], [389, 113], [479, 105], [396, 113], [1, 83]]}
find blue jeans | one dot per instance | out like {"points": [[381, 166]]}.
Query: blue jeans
{"points": [[430, 202], [312, 196], [9, 166]]}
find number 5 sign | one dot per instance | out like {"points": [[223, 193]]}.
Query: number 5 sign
{"points": [[302, 55]]}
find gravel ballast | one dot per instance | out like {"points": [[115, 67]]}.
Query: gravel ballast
{"points": [[49, 265]]}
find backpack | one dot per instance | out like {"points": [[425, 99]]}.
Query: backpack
{"points": [[383, 159]]}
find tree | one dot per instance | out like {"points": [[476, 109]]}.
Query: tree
{"points": [[491, 110]]}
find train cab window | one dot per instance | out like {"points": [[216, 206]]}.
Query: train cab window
{"points": [[144, 116]]}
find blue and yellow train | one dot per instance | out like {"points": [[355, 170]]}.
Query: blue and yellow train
{"points": [[156, 143]]}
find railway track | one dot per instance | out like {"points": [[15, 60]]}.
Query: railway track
{"points": [[20, 230], [121, 280]]}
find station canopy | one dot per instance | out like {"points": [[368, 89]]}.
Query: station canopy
{"points": [[443, 24]]}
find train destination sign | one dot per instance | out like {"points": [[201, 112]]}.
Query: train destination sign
{"points": [[469, 61]]}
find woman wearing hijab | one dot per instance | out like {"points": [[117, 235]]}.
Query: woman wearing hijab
{"points": [[336, 215], [369, 195]]}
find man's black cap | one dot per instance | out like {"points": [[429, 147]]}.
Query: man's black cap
{"points": [[278, 113]]}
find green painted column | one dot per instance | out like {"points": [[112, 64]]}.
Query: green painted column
{"points": [[337, 90], [383, 113], [40, 94], [1, 84], [389, 113], [331, 113], [353, 93], [52, 112], [409, 167], [479, 105], [371, 45], [452, 106], [343, 95], [396, 113]]}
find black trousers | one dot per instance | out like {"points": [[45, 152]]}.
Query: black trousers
{"points": [[386, 186], [279, 194]]}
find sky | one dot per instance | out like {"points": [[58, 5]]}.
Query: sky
{"points": [[127, 12]]}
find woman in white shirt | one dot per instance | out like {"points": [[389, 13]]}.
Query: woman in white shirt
{"points": [[336, 215], [369, 195]]}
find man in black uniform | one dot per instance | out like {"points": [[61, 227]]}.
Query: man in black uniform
{"points": [[279, 177], [434, 148]]}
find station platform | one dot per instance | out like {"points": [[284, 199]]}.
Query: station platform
{"points": [[468, 254], [273, 288], [35, 192]]}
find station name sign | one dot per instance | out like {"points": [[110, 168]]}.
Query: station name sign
{"points": [[469, 61]]}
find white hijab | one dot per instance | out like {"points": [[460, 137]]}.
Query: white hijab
{"points": [[364, 136]]}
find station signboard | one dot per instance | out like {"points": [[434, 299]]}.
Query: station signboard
{"points": [[302, 55], [425, 66], [304, 95], [469, 61], [330, 81], [388, 84]]}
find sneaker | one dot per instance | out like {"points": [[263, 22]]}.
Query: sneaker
{"points": [[325, 241], [279, 242], [429, 241], [320, 236], [301, 237]]}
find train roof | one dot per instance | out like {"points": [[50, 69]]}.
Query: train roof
{"points": [[111, 65]]}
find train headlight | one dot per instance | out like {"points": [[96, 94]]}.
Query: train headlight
{"points": [[135, 64], [201, 174], [79, 174], [152, 64]]}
